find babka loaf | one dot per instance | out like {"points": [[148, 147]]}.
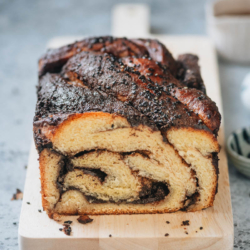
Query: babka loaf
{"points": [[122, 127]]}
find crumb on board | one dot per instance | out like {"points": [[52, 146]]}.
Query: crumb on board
{"points": [[84, 219], [67, 229], [166, 235], [18, 195], [201, 228], [68, 222], [167, 222], [110, 236]]}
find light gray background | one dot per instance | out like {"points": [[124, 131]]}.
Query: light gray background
{"points": [[25, 28]]}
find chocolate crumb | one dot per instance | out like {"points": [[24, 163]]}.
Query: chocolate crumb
{"points": [[110, 236], [60, 229], [167, 222], [84, 219], [67, 229], [18, 195], [186, 232], [185, 223], [14, 223], [201, 228], [39, 210], [67, 222], [196, 231], [166, 235], [28, 203]]}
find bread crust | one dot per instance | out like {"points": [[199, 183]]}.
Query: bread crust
{"points": [[188, 72], [210, 154]]}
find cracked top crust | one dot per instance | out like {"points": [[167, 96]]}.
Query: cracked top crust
{"points": [[138, 79]]}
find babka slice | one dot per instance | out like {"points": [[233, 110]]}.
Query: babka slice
{"points": [[121, 127]]}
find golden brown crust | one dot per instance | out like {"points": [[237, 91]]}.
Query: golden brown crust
{"points": [[201, 105], [44, 183], [159, 53], [42, 163]]}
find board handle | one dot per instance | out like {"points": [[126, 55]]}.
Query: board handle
{"points": [[131, 20]]}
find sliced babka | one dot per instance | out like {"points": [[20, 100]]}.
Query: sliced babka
{"points": [[123, 127]]}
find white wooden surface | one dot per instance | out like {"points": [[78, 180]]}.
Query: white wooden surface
{"points": [[37, 231]]}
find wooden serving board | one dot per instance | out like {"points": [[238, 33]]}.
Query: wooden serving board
{"points": [[142, 232]]}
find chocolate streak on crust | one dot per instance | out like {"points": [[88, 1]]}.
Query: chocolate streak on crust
{"points": [[188, 72], [201, 104], [185, 69], [110, 74], [194, 99], [159, 53]]}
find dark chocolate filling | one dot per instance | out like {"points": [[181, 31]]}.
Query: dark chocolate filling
{"points": [[83, 153], [157, 192], [94, 172], [154, 192], [192, 200]]}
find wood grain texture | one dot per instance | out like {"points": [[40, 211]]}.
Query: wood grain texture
{"points": [[37, 231]]}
